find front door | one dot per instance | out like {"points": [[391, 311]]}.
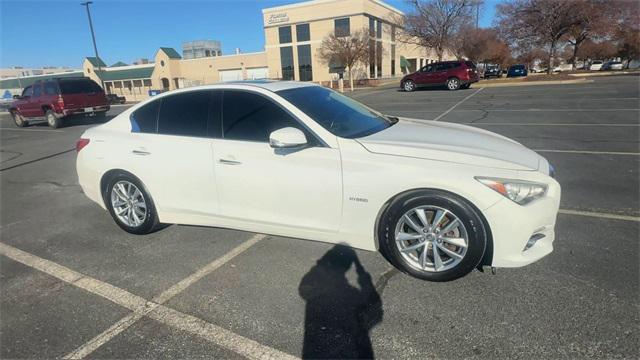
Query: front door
{"points": [[299, 188], [425, 75]]}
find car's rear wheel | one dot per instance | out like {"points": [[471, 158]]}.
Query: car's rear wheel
{"points": [[130, 205], [52, 119], [409, 86], [432, 235], [18, 119], [453, 83]]}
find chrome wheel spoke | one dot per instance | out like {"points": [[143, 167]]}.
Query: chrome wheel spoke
{"points": [[422, 216], [414, 246], [461, 242], [412, 224], [450, 226], [437, 262], [438, 217], [403, 236], [128, 203], [423, 258], [452, 254]]}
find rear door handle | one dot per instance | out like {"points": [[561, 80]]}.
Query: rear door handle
{"points": [[140, 152], [229, 162]]}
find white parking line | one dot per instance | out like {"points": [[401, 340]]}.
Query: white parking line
{"points": [[456, 104], [599, 215], [141, 307], [588, 152]]}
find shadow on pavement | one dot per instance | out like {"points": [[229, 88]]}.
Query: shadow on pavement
{"points": [[339, 316]]}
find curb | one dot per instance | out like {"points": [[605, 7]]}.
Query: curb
{"points": [[608, 73], [533, 83]]}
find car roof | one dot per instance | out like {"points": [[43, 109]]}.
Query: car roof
{"points": [[271, 85]]}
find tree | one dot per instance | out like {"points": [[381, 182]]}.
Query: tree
{"points": [[597, 50], [481, 46], [624, 16], [346, 51], [435, 23], [544, 23], [590, 23]]}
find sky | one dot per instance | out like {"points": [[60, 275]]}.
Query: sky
{"points": [[56, 32]]}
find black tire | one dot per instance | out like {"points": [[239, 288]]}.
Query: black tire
{"points": [[409, 86], [453, 83], [53, 120], [463, 210], [18, 119], [150, 221], [465, 86]]}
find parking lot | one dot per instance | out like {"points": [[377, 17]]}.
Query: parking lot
{"points": [[72, 284]]}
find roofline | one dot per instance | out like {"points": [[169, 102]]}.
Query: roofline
{"points": [[315, 2], [52, 75], [227, 56], [129, 67]]}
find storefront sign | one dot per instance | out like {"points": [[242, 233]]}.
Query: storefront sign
{"points": [[278, 18]]}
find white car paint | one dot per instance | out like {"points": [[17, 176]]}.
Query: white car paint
{"points": [[596, 65], [332, 193]]}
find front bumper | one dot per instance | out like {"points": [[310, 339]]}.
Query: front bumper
{"points": [[512, 226]]}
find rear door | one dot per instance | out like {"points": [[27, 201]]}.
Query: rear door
{"points": [[441, 73]]}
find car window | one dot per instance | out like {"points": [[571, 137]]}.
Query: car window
{"points": [[441, 67], [252, 117], [428, 68], [472, 65], [184, 114], [340, 115], [453, 65], [50, 88], [28, 91], [37, 90], [79, 86], [145, 119]]}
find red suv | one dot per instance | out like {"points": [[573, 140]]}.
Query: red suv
{"points": [[55, 99], [455, 75]]}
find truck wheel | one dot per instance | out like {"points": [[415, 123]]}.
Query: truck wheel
{"points": [[52, 120], [18, 119]]}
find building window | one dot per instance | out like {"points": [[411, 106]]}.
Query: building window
{"points": [[379, 29], [161, 62], [372, 27], [285, 34], [393, 33], [342, 27], [372, 58], [302, 32], [393, 60], [379, 58], [146, 82], [304, 63], [286, 62]]}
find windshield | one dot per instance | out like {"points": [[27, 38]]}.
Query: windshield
{"points": [[340, 115]]}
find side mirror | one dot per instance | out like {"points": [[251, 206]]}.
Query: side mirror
{"points": [[288, 137]]}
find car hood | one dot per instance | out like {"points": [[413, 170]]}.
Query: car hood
{"points": [[451, 142]]}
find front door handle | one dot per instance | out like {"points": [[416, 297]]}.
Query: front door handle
{"points": [[229, 162], [140, 152]]}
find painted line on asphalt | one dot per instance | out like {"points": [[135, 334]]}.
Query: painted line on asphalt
{"points": [[588, 152], [543, 124], [25, 130], [92, 345], [456, 104], [38, 159], [599, 215]]}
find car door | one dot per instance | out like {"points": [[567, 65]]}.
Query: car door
{"points": [[299, 188], [25, 105], [425, 75], [35, 102], [170, 150], [440, 73]]}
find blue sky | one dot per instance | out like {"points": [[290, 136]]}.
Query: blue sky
{"points": [[56, 33]]}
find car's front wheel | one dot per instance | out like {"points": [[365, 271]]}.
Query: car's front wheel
{"points": [[432, 235], [409, 86], [18, 119], [130, 205], [453, 83]]}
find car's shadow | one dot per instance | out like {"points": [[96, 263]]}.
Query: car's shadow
{"points": [[73, 121], [435, 89], [338, 315]]}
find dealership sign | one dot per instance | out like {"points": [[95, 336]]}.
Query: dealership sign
{"points": [[278, 18]]}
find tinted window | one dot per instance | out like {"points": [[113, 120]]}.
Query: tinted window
{"points": [[286, 62], [441, 66], [302, 32], [145, 119], [428, 68], [37, 90], [285, 34], [50, 88], [470, 64], [184, 114], [252, 117], [79, 86], [340, 115], [342, 27], [304, 63], [28, 91]]}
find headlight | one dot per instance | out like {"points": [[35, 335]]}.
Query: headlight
{"points": [[519, 191]]}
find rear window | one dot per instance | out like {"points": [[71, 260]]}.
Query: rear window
{"points": [[80, 86], [470, 64]]}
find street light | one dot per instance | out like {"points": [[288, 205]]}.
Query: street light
{"points": [[93, 37]]}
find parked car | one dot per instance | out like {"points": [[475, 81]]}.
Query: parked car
{"points": [[517, 71], [612, 65], [115, 99], [492, 71], [300, 160], [454, 75], [596, 65], [54, 100], [563, 67]]}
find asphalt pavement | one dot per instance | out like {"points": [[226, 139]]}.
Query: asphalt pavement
{"points": [[73, 284]]}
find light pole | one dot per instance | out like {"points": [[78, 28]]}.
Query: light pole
{"points": [[93, 37]]}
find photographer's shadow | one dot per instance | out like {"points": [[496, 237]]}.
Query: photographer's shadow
{"points": [[339, 316]]}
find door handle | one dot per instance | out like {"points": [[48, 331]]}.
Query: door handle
{"points": [[229, 162], [140, 152]]}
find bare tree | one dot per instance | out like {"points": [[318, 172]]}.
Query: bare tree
{"points": [[346, 51], [531, 23], [481, 46], [625, 19], [435, 23], [590, 24]]}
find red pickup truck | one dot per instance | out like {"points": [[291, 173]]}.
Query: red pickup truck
{"points": [[55, 99]]}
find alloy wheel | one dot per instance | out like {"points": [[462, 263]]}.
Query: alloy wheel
{"points": [[431, 238], [452, 84], [409, 86], [51, 119], [128, 203]]}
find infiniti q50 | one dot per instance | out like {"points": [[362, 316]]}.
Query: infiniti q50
{"points": [[296, 159]]}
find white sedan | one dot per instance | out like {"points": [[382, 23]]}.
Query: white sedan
{"points": [[296, 159]]}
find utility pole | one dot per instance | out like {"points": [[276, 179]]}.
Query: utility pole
{"points": [[93, 37]]}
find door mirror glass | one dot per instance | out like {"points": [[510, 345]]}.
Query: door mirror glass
{"points": [[288, 137]]}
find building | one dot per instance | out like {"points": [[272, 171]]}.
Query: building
{"points": [[201, 48], [18, 71], [293, 34]]}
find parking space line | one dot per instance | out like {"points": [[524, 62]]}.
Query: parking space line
{"points": [[456, 104], [38, 159], [141, 307], [588, 152], [599, 215]]}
